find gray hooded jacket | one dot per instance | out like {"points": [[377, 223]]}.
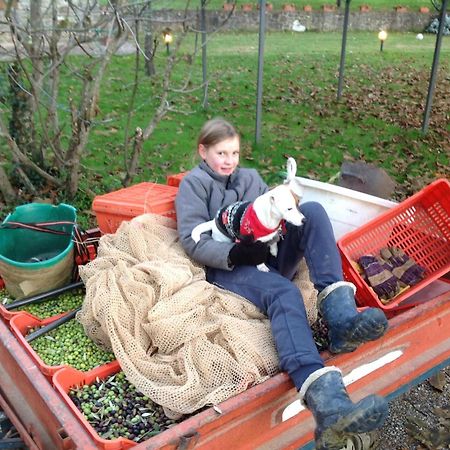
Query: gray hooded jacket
{"points": [[201, 194]]}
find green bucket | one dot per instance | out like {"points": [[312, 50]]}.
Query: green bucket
{"points": [[33, 261]]}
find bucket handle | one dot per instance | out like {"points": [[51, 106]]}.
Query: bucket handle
{"points": [[39, 226]]}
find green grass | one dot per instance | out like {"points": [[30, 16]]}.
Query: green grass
{"points": [[301, 116], [378, 119]]}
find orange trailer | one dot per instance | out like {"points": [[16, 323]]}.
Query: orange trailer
{"points": [[266, 417]]}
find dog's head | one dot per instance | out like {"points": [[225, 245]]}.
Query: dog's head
{"points": [[284, 205]]}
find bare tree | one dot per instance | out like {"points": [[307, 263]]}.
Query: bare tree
{"points": [[49, 146], [34, 121], [168, 92]]}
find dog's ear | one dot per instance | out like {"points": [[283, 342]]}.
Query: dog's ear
{"points": [[296, 188], [291, 169]]}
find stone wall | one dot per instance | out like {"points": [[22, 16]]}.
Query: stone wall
{"points": [[314, 21], [283, 21]]}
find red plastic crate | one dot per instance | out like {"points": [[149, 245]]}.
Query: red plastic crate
{"points": [[67, 378], [20, 324], [8, 315], [175, 180], [113, 208], [420, 226]]}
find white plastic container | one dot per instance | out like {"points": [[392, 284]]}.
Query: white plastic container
{"points": [[346, 208]]}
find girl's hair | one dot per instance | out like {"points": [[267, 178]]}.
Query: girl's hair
{"points": [[215, 131]]}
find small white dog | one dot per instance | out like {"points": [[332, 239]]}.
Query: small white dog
{"points": [[261, 220]]}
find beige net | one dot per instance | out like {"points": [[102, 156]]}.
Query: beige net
{"points": [[180, 340]]}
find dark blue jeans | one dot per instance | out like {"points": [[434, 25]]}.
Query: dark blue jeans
{"points": [[275, 295]]}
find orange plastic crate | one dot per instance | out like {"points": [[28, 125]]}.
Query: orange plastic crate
{"points": [[113, 208], [21, 323], [420, 226], [67, 378], [9, 314], [175, 180]]}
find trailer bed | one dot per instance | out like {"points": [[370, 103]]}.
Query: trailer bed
{"points": [[266, 416]]}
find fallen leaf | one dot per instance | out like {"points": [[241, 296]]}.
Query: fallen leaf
{"points": [[438, 381]]}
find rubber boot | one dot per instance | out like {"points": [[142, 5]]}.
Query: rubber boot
{"points": [[337, 417], [348, 328]]}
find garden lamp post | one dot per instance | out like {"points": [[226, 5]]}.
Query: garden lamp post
{"points": [[382, 36], [168, 38]]}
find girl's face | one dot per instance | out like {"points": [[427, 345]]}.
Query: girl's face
{"points": [[222, 157]]}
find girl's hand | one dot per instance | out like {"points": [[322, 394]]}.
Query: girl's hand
{"points": [[248, 254]]}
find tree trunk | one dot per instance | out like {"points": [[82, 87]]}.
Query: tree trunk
{"points": [[6, 188], [16, 153], [149, 53], [137, 150], [83, 115], [21, 121]]}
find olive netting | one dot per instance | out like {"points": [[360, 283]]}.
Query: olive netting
{"points": [[180, 340]]}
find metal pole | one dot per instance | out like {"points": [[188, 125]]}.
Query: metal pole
{"points": [[204, 66], [343, 47], [432, 84], [259, 88]]}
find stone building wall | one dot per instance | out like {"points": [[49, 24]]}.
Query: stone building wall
{"points": [[314, 21], [277, 20]]}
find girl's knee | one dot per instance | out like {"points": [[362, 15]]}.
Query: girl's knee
{"points": [[313, 211]]}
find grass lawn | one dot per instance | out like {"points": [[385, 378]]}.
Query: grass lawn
{"points": [[378, 119]]}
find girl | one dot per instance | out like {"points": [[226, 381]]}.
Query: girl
{"points": [[218, 181]]}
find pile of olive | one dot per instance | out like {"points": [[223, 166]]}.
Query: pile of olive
{"points": [[320, 334], [5, 297], [114, 408], [51, 307], [68, 344]]}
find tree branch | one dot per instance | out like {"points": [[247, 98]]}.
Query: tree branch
{"points": [[23, 158]]}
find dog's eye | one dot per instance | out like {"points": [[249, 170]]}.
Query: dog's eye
{"points": [[290, 209]]}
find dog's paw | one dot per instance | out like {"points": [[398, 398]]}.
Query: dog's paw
{"points": [[262, 268]]}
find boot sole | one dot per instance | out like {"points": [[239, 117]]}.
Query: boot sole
{"points": [[358, 335], [366, 415]]}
